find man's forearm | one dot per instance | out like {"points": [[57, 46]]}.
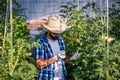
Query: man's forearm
{"points": [[45, 63]]}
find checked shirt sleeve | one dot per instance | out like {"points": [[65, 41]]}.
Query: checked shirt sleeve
{"points": [[40, 52]]}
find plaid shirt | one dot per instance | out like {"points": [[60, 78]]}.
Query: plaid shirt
{"points": [[45, 52]]}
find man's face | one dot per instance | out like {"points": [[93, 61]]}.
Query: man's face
{"points": [[54, 36]]}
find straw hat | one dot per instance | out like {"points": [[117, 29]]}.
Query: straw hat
{"points": [[55, 25]]}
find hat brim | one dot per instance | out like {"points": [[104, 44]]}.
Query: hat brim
{"points": [[54, 30]]}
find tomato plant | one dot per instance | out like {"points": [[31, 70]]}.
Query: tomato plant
{"points": [[87, 36], [15, 60]]}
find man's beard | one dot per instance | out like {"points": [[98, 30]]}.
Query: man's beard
{"points": [[53, 37]]}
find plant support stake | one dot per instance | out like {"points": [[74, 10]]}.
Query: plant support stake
{"points": [[5, 31], [107, 30], [107, 37], [11, 32]]}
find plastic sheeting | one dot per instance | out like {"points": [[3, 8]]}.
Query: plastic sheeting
{"points": [[41, 9]]}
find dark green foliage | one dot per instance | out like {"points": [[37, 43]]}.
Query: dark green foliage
{"points": [[115, 20], [16, 62], [87, 36]]}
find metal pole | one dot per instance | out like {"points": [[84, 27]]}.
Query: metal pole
{"points": [[11, 33], [11, 26], [101, 8], [107, 73], [107, 28], [78, 5]]}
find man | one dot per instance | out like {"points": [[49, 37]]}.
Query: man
{"points": [[51, 57]]}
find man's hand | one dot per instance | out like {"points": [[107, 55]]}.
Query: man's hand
{"points": [[60, 55], [75, 56]]}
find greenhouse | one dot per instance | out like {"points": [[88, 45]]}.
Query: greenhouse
{"points": [[59, 39]]}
